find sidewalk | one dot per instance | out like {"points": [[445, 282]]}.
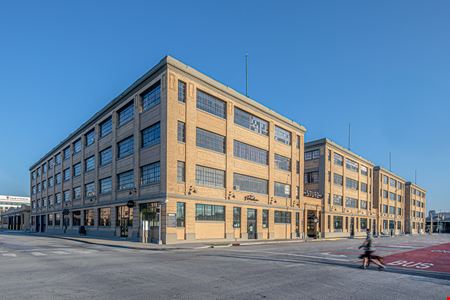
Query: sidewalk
{"points": [[123, 243]]}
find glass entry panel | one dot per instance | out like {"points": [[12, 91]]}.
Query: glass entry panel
{"points": [[251, 223], [124, 219], [352, 226], [150, 227]]}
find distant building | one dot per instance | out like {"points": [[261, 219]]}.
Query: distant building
{"points": [[7, 202], [16, 218], [441, 221]]}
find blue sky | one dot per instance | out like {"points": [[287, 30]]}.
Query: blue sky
{"points": [[383, 66]]}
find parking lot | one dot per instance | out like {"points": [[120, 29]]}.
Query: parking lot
{"points": [[42, 268]]}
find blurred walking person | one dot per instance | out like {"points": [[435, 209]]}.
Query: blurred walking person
{"points": [[368, 255]]}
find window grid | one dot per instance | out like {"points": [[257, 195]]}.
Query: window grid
{"points": [[209, 140], [152, 97], [90, 137], [211, 104], [251, 153], [89, 163], [181, 91], [151, 135], [150, 174], [181, 134], [126, 113], [250, 184], [205, 212], [282, 162], [282, 189], [105, 185], [125, 147], [181, 171], [209, 177], [125, 180], [282, 135], [106, 127], [251, 122], [106, 156]]}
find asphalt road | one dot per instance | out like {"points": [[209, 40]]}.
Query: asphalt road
{"points": [[47, 268]]}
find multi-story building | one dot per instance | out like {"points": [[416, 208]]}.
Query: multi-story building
{"points": [[389, 199], [7, 202], [415, 210], [176, 157], [16, 218], [343, 180]]}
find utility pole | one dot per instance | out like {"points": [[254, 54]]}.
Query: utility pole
{"points": [[415, 176]]}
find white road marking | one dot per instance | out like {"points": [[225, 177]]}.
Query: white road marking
{"points": [[334, 255], [61, 252], [82, 251], [38, 254], [10, 254], [292, 254]]}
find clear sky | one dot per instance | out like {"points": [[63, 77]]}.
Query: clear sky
{"points": [[383, 66]]}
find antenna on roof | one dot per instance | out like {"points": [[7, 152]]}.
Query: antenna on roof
{"points": [[246, 74], [390, 162], [415, 176], [349, 135]]}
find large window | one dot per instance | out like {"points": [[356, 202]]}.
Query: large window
{"points": [[205, 212], [50, 220], [125, 147], [151, 173], [89, 189], [282, 190], [338, 222], [66, 196], [181, 171], [66, 153], [89, 163], [104, 216], [77, 193], [106, 127], [126, 113], [124, 213], [151, 135], [337, 200], [58, 159], [152, 97], [105, 185], [66, 174], [77, 146], [392, 210], [338, 179], [265, 218], [181, 91], [249, 184], [236, 217], [363, 187], [312, 154], [282, 217], [351, 184], [385, 194], [385, 179], [392, 182], [58, 198], [250, 121], [363, 204], [282, 162], [282, 135], [181, 134], [209, 177], [76, 218], [392, 196], [351, 165], [181, 214], [399, 211], [351, 202], [125, 180], [363, 223], [105, 156], [90, 137], [76, 170], [338, 159], [211, 104], [209, 140], [312, 177], [88, 217], [385, 208], [57, 219], [364, 170], [251, 153]]}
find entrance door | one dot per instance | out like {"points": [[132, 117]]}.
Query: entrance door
{"points": [[352, 227], [297, 224], [251, 223], [43, 223], [123, 223], [374, 226], [38, 223], [311, 224], [150, 216]]}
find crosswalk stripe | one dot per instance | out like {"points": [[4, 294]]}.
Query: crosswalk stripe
{"points": [[38, 254], [9, 254]]}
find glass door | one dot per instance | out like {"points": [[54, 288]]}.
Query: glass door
{"points": [[251, 223]]}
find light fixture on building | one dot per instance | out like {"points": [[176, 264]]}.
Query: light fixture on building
{"points": [[192, 190]]}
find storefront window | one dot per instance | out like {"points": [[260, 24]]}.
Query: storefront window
{"points": [[104, 216]]}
